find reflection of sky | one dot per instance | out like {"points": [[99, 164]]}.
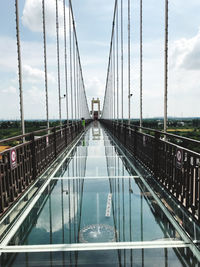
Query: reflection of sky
{"points": [[56, 211], [133, 217]]}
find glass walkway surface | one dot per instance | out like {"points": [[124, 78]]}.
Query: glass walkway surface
{"points": [[96, 210]]}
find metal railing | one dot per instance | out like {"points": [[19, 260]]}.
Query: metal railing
{"points": [[22, 164], [168, 158]]}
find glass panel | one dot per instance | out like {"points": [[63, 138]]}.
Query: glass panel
{"points": [[96, 197], [162, 257], [94, 210]]}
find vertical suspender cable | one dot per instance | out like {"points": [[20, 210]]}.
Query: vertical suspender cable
{"points": [[78, 89], [129, 66], [70, 62], [141, 60], [74, 60], [117, 51], [87, 113], [45, 61], [19, 68], [114, 94], [65, 49], [166, 66], [58, 61], [107, 94], [122, 65], [111, 87]]}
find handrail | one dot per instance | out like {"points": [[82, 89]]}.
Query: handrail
{"points": [[22, 164], [160, 132], [14, 138], [175, 167]]}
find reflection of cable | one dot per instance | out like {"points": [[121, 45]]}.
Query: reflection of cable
{"points": [[123, 214], [50, 222], [142, 237], [130, 221], [114, 217], [63, 231]]}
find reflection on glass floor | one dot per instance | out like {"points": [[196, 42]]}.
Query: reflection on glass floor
{"points": [[93, 202]]}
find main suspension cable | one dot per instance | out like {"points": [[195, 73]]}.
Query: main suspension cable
{"points": [[107, 90], [86, 113]]}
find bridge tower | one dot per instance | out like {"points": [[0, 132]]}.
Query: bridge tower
{"points": [[95, 113]]}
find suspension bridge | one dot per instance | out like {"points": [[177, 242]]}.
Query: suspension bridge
{"points": [[98, 190]]}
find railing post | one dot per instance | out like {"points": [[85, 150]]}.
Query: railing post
{"points": [[113, 127], [135, 141], [118, 130], [1, 190], [54, 139], [65, 129], [33, 153], [155, 156], [121, 132], [125, 133]]}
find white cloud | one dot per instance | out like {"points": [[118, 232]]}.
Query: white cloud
{"points": [[94, 88], [32, 16], [8, 54], [35, 75], [186, 53], [10, 90]]}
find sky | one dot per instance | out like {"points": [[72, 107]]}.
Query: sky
{"points": [[94, 24]]}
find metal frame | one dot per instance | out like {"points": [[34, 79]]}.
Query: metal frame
{"points": [[160, 158], [175, 223], [33, 158]]}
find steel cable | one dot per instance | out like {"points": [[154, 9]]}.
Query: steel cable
{"points": [[45, 61]]}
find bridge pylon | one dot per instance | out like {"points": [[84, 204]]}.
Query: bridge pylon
{"points": [[95, 113]]}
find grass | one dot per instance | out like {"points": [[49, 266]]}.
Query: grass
{"points": [[180, 130]]}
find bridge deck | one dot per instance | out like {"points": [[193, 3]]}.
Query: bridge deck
{"points": [[96, 200]]}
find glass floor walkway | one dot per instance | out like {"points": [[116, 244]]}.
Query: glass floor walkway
{"points": [[96, 210]]}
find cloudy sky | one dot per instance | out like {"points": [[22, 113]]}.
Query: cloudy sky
{"points": [[93, 22]]}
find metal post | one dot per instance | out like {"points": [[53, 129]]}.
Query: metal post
{"points": [[155, 156], [166, 66], [55, 145], [33, 153], [19, 69]]}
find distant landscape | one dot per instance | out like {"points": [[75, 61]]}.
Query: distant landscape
{"points": [[187, 127]]}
